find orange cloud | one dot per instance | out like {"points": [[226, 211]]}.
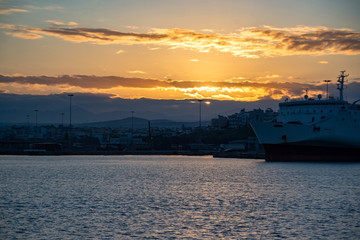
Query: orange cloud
{"points": [[58, 23], [240, 90], [248, 42], [120, 51], [136, 72], [25, 35], [11, 10]]}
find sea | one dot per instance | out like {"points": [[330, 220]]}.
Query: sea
{"points": [[176, 197]]}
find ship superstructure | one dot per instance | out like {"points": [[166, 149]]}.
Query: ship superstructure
{"points": [[313, 130]]}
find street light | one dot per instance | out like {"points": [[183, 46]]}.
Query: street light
{"points": [[70, 95], [200, 100], [62, 119], [28, 120], [327, 88], [36, 111], [132, 122], [70, 144]]}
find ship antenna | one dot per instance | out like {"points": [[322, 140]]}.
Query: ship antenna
{"points": [[327, 88], [340, 85]]}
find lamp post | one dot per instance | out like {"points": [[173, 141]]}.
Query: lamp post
{"points": [[28, 123], [36, 122], [132, 122], [70, 147], [200, 100], [70, 95], [327, 88], [62, 119]]}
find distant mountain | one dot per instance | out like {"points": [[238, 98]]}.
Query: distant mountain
{"points": [[91, 108], [141, 123]]}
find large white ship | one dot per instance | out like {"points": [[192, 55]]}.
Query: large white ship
{"points": [[313, 130]]}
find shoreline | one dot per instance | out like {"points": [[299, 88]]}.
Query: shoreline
{"points": [[151, 152]]}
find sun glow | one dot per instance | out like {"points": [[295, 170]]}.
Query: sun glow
{"points": [[205, 92]]}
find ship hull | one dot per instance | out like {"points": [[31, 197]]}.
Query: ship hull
{"points": [[307, 143], [303, 153]]}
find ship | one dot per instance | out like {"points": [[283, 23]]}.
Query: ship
{"points": [[313, 129]]}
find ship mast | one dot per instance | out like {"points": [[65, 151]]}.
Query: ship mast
{"points": [[340, 85]]}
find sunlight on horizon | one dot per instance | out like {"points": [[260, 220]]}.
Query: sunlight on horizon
{"points": [[163, 93]]}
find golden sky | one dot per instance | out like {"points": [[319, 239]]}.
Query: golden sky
{"points": [[226, 50]]}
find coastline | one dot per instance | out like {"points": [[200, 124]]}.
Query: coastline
{"points": [[216, 154]]}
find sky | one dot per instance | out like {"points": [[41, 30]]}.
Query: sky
{"points": [[238, 50]]}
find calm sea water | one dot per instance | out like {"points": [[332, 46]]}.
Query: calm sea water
{"points": [[176, 197]]}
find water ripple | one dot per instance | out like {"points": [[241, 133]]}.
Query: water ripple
{"points": [[172, 197]]}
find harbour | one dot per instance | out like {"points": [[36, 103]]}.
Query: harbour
{"points": [[183, 119]]}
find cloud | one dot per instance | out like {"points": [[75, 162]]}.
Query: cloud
{"points": [[84, 81], [319, 40], [18, 10], [239, 90], [132, 27], [120, 51], [136, 72], [58, 23], [208, 30], [11, 10], [323, 62], [24, 35], [8, 26], [48, 8], [247, 42], [273, 76]]}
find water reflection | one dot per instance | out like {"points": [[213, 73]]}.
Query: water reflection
{"points": [[139, 197]]}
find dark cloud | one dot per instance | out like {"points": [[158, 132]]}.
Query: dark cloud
{"points": [[85, 81], [101, 35], [218, 90], [105, 82], [318, 40]]}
